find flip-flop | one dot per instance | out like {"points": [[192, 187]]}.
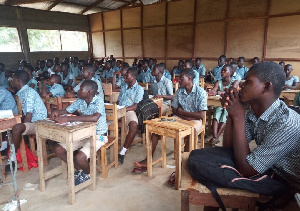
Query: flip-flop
{"points": [[138, 165], [215, 141], [171, 180], [139, 170]]}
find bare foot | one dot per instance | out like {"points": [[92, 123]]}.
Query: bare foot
{"points": [[140, 164]]}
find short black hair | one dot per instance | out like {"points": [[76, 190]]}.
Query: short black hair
{"points": [[281, 62], [133, 71], [50, 61], [255, 58], [230, 67], [241, 58], [92, 85], [89, 68], [22, 75], [146, 61], [65, 64], [125, 64], [163, 65], [190, 62], [1, 64], [222, 57], [29, 67], [57, 78], [198, 58], [42, 61], [109, 62], [160, 66], [269, 72], [82, 61], [188, 72], [287, 66]]}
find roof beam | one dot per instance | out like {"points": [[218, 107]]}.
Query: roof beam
{"points": [[90, 6], [17, 2], [122, 1], [131, 3], [54, 4]]}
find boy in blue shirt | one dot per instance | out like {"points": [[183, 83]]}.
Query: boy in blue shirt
{"points": [[130, 95], [32, 106], [241, 70], [199, 67], [108, 71], [145, 75], [32, 82], [74, 69], [3, 79], [216, 72], [188, 64], [177, 69], [55, 89], [7, 101], [92, 108], [67, 78], [116, 85]]}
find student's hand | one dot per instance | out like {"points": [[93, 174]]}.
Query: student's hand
{"points": [[179, 110], [224, 98], [235, 107], [212, 92], [157, 96], [117, 73], [61, 119], [54, 114], [285, 87]]}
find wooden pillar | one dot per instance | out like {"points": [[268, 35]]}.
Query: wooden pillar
{"points": [[194, 29], [103, 31], [226, 28], [266, 30], [166, 31], [142, 31], [122, 37], [22, 30]]}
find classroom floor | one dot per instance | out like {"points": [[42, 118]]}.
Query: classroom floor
{"points": [[122, 190]]}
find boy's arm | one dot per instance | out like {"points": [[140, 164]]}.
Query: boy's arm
{"points": [[27, 117], [44, 89], [227, 137], [32, 85], [214, 90], [88, 118], [239, 140], [190, 115], [132, 108]]}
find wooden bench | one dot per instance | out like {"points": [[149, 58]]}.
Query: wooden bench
{"points": [[192, 192]]}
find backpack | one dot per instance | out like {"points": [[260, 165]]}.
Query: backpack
{"points": [[215, 168], [146, 110]]}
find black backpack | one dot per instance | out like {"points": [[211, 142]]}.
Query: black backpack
{"points": [[215, 168], [146, 110]]}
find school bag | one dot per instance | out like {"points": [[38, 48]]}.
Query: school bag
{"points": [[215, 168], [146, 110]]}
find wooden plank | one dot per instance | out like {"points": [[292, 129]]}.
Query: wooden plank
{"points": [[211, 10], [113, 43], [96, 22], [154, 42], [181, 12], [132, 43], [112, 20], [132, 17], [266, 30], [154, 15], [279, 7], [247, 8]]}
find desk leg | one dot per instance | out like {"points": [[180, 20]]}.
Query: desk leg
{"points": [[149, 152], [70, 161], [93, 161], [40, 141], [178, 161], [191, 140], [163, 152], [123, 130]]}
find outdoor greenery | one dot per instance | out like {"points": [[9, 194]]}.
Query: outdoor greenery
{"points": [[9, 40]]}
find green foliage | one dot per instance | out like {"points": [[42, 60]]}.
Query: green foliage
{"points": [[9, 41]]}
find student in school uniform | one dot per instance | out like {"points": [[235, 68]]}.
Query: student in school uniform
{"points": [[220, 114], [167, 74], [108, 71], [130, 95], [32, 106], [7, 101], [32, 82], [291, 82], [67, 78], [161, 87], [145, 75], [22, 64], [255, 60], [91, 106], [216, 72], [282, 64], [241, 70], [56, 60], [55, 88], [234, 75], [177, 69], [188, 64], [296, 101], [88, 73], [116, 85], [50, 66], [3, 78], [42, 67], [189, 103], [199, 67], [230, 60], [274, 127], [74, 69]]}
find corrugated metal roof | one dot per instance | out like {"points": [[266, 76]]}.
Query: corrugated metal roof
{"points": [[76, 6]]}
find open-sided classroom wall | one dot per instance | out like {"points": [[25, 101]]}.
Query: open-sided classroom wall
{"points": [[24, 18], [185, 29]]}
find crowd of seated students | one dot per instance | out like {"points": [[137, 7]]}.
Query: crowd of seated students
{"points": [[54, 79]]}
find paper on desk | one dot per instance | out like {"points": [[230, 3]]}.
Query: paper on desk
{"points": [[118, 106], [6, 114], [13, 205], [69, 123], [29, 186]]}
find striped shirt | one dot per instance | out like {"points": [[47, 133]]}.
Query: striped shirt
{"points": [[277, 134]]}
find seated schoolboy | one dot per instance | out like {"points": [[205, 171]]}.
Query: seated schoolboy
{"points": [[42, 68], [241, 70], [7, 101], [55, 87], [161, 87], [21, 65], [108, 71], [32, 106], [145, 75], [130, 95], [234, 75], [91, 106], [50, 66], [296, 101], [67, 78], [73, 68], [273, 126], [88, 73], [199, 67], [56, 60], [255, 60], [291, 82], [188, 64], [134, 63], [116, 85], [167, 74], [229, 60], [282, 64], [3, 78], [216, 72], [189, 103], [32, 82], [177, 69], [220, 114]]}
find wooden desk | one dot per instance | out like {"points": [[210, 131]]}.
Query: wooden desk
{"points": [[159, 102], [213, 101], [66, 134], [289, 94], [176, 130], [113, 98], [67, 101]]}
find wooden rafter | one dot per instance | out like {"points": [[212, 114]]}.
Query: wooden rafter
{"points": [[81, 5], [17, 2], [122, 1], [90, 6], [54, 4]]}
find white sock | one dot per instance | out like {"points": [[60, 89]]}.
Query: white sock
{"points": [[3, 146], [123, 151], [12, 158]]}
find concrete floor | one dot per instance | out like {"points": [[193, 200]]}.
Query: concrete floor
{"points": [[122, 190]]}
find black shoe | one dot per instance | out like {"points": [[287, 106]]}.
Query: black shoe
{"points": [[121, 159], [7, 167]]}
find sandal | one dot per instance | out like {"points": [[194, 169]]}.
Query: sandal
{"points": [[139, 170], [213, 141], [171, 180]]}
